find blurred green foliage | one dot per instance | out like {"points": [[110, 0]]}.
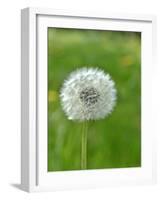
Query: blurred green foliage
{"points": [[114, 142]]}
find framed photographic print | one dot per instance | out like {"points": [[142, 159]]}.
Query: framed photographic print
{"points": [[86, 99]]}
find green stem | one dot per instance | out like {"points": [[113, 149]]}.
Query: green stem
{"points": [[84, 145]]}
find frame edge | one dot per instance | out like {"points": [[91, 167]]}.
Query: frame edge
{"points": [[28, 99], [25, 99]]}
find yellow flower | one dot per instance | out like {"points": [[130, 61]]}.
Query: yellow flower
{"points": [[52, 96], [126, 61]]}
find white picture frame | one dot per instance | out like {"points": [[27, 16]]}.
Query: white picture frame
{"points": [[34, 174]]}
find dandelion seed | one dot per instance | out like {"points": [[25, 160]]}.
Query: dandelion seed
{"points": [[88, 94]]}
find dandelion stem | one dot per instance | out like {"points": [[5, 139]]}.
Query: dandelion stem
{"points": [[84, 145]]}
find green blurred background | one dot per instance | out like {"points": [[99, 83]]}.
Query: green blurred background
{"points": [[114, 142]]}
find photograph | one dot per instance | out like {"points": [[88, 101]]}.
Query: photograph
{"points": [[94, 99]]}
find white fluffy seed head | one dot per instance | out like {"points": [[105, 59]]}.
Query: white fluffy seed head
{"points": [[88, 94]]}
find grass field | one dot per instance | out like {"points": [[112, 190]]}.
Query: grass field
{"points": [[115, 141]]}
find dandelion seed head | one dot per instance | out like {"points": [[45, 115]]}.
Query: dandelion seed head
{"points": [[88, 94]]}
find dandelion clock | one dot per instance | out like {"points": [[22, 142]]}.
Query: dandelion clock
{"points": [[87, 94]]}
